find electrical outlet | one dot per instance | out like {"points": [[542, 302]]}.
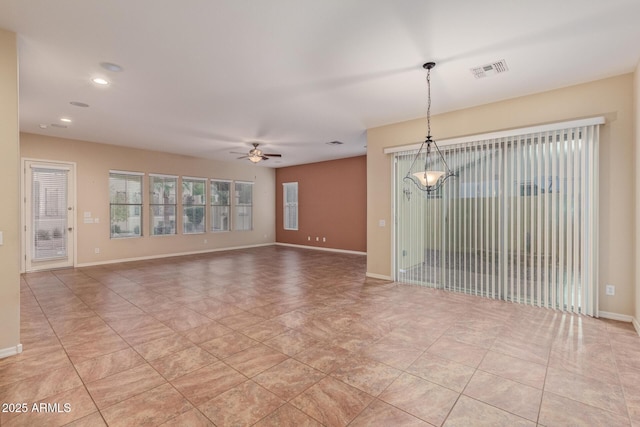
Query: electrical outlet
{"points": [[324, 239], [309, 238], [610, 289], [317, 239], [97, 250], [206, 241]]}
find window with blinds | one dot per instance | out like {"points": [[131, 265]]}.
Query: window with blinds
{"points": [[243, 207], [162, 204], [290, 198], [193, 205], [519, 222], [220, 196], [125, 201]]}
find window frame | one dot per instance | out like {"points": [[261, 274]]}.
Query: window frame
{"points": [[139, 205], [287, 206]]}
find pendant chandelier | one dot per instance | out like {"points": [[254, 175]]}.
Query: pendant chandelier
{"points": [[436, 171]]}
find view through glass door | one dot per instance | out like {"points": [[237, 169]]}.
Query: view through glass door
{"points": [[49, 215]]}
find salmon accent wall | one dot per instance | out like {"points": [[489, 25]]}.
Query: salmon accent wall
{"points": [[332, 203]]}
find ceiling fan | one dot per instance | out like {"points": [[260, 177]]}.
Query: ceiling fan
{"points": [[256, 155]]}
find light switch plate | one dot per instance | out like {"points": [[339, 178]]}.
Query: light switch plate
{"points": [[1, 238]]}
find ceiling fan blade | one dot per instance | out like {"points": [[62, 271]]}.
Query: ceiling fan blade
{"points": [[243, 157], [272, 155], [265, 158], [235, 152]]}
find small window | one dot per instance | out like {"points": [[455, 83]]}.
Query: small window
{"points": [[290, 197], [162, 189], [243, 216], [220, 195], [125, 201], [193, 205]]}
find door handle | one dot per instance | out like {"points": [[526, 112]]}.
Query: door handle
{"points": [[70, 229]]}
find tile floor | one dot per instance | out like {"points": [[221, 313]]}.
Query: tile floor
{"points": [[278, 336]]}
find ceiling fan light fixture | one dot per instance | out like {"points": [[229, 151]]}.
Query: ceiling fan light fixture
{"points": [[254, 158]]}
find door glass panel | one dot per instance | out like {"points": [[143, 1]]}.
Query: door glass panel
{"points": [[49, 210]]}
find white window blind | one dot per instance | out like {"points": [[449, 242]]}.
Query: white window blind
{"points": [[243, 207], [220, 196], [518, 223], [162, 189], [49, 207], [290, 198], [193, 205]]}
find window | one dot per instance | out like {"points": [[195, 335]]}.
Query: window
{"points": [[193, 205], [290, 197], [243, 216], [220, 205], [125, 200], [162, 189]]}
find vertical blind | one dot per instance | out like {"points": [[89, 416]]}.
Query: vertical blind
{"points": [[518, 223]]}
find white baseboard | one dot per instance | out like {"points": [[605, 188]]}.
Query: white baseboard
{"points": [[378, 276], [11, 351], [615, 316], [343, 251], [144, 258], [636, 325]]}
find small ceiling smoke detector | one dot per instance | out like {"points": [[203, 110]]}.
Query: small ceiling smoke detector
{"points": [[58, 125], [335, 143], [110, 66], [79, 104], [492, 69]]}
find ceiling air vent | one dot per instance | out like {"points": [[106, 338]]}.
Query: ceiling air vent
{"points": [[490, 69], [335, 143]]}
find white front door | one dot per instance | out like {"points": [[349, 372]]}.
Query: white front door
{"points": [[49, 215]]}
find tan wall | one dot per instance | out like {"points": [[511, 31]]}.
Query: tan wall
{"points": [[331, 203], [611, 98], [93, 164], [9, 194], [637, 190]]}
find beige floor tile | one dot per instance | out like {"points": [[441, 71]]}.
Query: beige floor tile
{"points": [[182, 362], [191, 418], [469, 412], [332, 402], [289, 378], [116, 388], [152, 407], [206, 383], [228, 345], [513, 397], [254, 360], [243, 405], [287, 415], [557, 410], [365, 374], [420, 398], [109, 364], [525, 372], [379, 413], [441, 371]]}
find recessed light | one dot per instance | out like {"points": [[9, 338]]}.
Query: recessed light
{"points": [[66, 120], [79, 104], [111, 66], [100, 81]]}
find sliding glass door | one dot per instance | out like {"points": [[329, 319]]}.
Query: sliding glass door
{"points": [[518, 223]]}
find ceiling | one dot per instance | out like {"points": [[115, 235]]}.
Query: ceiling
{"points": [[206, 77]]}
